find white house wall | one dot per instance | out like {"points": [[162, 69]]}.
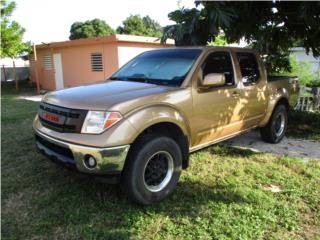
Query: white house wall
{"points": [[301, 56], [126, 53]]}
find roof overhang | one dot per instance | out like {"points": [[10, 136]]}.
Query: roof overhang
{"points": [[108, 39]]}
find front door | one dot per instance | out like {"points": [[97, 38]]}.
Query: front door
{"points": [[216, 111], [58, 73]]}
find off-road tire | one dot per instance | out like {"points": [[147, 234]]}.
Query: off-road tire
{"points": [[269, 132], [133, 179]]}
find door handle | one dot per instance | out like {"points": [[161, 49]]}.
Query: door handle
{"points": [[235, 94]]}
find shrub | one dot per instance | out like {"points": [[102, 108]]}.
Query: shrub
{"points": [[302, 70]]}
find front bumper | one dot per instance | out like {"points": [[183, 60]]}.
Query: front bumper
{"points": [[109, 160]]}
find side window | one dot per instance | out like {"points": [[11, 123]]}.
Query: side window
{"points": [[219, 62], [249, 68]]}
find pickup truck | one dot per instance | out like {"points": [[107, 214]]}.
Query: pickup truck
{"points": [[140, 125]]}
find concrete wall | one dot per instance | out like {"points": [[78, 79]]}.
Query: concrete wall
{"points": [[22, 73], [46, 76], [22, 69]]}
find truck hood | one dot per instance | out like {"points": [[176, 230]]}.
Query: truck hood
{"points": [[103, 95]]}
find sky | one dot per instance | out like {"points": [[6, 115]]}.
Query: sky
{"points": [[50, 20]]}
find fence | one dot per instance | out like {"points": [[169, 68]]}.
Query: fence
{"points": [[309, 99], [22, 73]]}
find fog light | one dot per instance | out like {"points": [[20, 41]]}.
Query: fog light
{"points": [[90, 161]]}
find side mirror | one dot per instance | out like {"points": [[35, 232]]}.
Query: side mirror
{"points": [[213, 80]]}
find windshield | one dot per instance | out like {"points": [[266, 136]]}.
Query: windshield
{"points": [[163, 67]]}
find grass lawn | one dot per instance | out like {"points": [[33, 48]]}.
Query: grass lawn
{"points": [[223, 195]]}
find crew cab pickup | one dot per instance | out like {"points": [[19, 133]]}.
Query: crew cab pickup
{"points": [[141, 124]]}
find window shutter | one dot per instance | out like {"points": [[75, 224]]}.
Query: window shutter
{"points": [[47, 62], [96, 62]]}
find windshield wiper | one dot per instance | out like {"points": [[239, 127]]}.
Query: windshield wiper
{"points": [[133, 79], [154, 81], [138, 79], [117, 79]]}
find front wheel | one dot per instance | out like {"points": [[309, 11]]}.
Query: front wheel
{"points": [[276, 128], [152, 170]]}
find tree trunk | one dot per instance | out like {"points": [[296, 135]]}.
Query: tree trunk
{"points": [[14, 74], [4, 73]]}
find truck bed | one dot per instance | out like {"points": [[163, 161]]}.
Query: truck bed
{"points": [[271, 78], [288, 84]]}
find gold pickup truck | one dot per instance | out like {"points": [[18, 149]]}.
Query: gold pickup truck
{"points": [[140, 125]]}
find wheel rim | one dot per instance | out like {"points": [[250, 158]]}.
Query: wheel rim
{"points": [[158, 171], [279, 124]]}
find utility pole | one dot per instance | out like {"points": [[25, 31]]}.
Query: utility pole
{"points": [[36, 67]]}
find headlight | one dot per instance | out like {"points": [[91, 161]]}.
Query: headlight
{"points": [[96, 121]]}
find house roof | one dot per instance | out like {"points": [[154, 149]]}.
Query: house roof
{"points": [[107, 39]]}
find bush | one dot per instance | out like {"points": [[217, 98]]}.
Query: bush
{"points": [[316, 80], [303, 71]]}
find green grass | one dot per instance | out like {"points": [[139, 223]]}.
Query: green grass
{"points": [[223, 195]]}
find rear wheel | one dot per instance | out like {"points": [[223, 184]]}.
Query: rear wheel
{"points": [[152, 170], [276, 128]]}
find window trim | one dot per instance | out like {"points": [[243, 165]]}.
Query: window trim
{"points": [[235, 82], [258, 67]]}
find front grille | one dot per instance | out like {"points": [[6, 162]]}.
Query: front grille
{"points": [[66, 112], [58, 127], [66, 152], [72, 118]]}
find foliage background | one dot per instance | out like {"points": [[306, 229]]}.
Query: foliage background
{"points": [[11, 33]]}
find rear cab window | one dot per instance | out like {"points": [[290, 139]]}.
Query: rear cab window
{"points": [[249, 68]]}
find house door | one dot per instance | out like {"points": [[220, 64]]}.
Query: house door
{"points": [[58, 73]]}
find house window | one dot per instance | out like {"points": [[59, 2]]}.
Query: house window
{"points": [[47, 62], [96, 62]]}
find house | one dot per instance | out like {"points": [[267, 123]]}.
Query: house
{"points": [[66, 64]]}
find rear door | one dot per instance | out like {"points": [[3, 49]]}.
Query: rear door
{"points": [[253, 88]]}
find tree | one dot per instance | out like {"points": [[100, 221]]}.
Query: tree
{"points": [[270, 27], [90, 28], [135, 25], [11, 36], [11, 33], [219, 40]]}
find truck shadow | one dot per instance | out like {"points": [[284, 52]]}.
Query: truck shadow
{"points": [[188, 198]]}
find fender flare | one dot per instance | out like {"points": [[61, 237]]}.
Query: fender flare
{"points": [[280, 95], [147, 116]]}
